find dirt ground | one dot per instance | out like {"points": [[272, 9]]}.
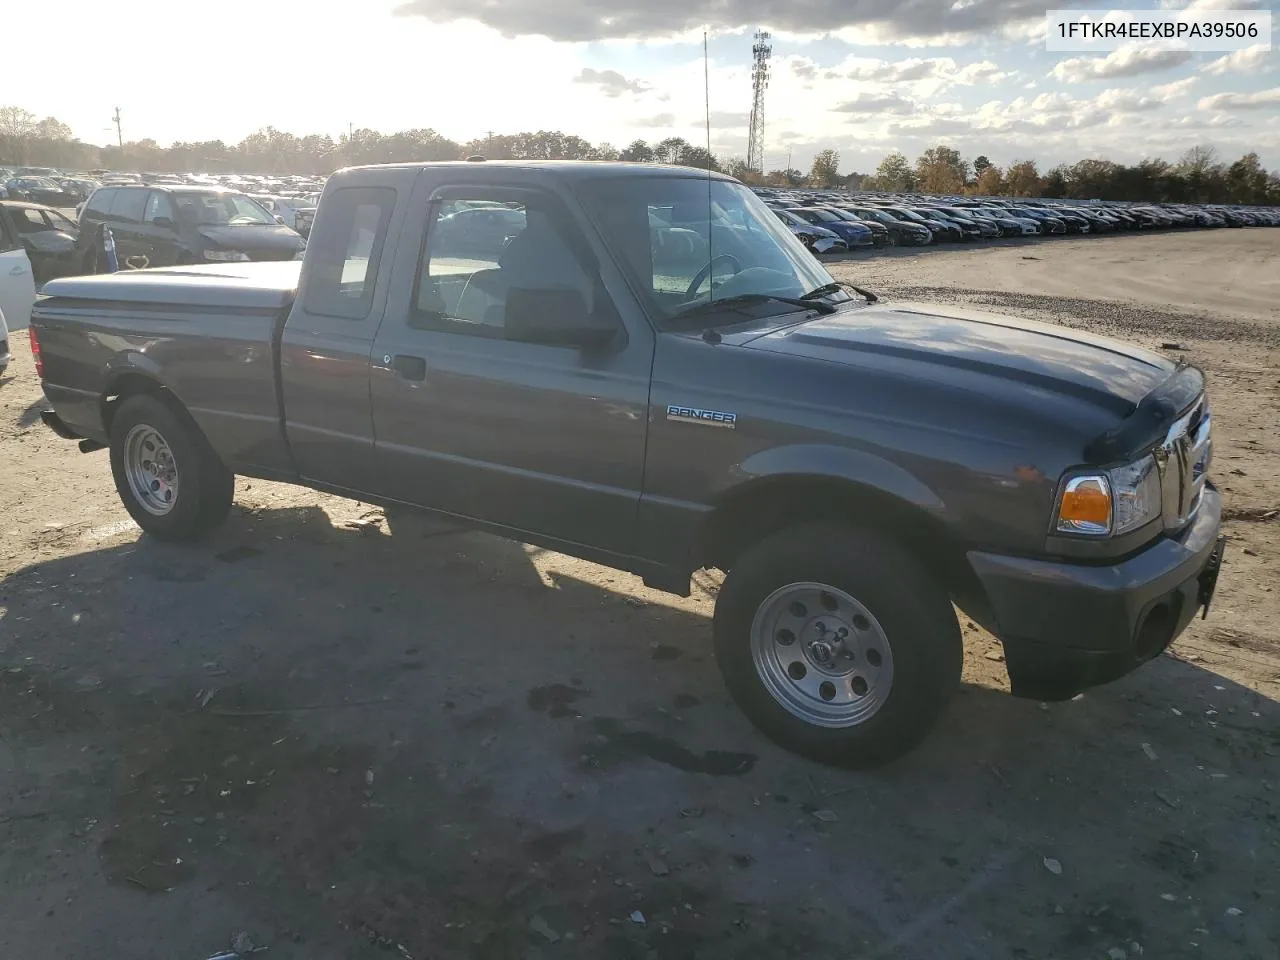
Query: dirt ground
{"points": [[347, 741]]}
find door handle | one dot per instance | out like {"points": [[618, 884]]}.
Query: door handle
{"points": [[411, 368]]}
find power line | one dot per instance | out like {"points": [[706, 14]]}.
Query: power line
{"points": [[760, 53]]}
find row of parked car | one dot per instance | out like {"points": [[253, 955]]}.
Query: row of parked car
{"points": [[292, 200], [831, 222]]}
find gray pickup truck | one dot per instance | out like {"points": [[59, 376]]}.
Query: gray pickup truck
{"points": [[642, 367]]}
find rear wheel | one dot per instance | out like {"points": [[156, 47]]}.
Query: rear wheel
{"points": [[168, 477], [837, 644]]}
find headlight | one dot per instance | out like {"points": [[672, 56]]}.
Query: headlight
{"points": [[1136, 490], [225, 255], [1110, 503]]}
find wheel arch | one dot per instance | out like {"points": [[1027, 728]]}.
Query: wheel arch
{"points": [[806, 485], [130, 381]]}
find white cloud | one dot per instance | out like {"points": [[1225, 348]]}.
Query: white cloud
{"points": [[1125, 62], [881, 35], [924, 22], [1174, 89], [1249, 60], [802, 67], [1212, 4], [942, 71], [1258, 100], [610, 82], [657, 121], [1126, 101], [866, 102], [984, 71]]}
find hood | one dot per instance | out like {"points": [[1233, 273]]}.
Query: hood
{"points": [[1104, 373], [253, 237]]}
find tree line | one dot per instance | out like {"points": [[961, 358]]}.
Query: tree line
{"points": [[1198, 176]]}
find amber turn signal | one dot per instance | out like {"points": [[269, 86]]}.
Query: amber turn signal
{"points": [[1085, 506]]}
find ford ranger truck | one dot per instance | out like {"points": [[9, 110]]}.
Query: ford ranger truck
{"points": [[641, 366]]}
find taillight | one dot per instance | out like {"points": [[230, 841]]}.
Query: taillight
{"points": [[35, 352]]}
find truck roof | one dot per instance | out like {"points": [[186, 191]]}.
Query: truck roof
{"points": [[560, 169]]}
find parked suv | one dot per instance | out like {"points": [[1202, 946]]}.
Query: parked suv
{"points": [[161, 226]]}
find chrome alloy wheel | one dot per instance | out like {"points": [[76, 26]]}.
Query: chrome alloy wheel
{"points": [[822, 655], [151, 470]]}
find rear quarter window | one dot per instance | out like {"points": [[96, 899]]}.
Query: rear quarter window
{"points": [[99, 205], [128, 205], [345, 252]]}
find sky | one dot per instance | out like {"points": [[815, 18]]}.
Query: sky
{"points": [[861, 76]]}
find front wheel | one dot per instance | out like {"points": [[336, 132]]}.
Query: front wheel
{"points": [[166, 474], [837, 644]]}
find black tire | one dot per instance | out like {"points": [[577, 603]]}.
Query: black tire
{"points": [[205, 486], [913, 610]]}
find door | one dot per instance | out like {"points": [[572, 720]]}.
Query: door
{"points": [[324, 351], [158, 233], [125, 222], [474, 417], [17, 284]]}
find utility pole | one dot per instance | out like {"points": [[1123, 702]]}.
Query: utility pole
{"points": [[119, 132], [789, 183]]}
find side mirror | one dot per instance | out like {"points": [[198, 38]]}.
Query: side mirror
{"points": [[279, 219], [163, 223], [555, 317]]}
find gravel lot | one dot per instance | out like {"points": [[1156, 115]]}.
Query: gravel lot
{"points": [[349, 741]]}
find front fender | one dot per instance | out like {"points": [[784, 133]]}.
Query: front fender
{"points": [[826, 462], [676, 533]]}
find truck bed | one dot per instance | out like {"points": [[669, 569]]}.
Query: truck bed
{"points": [[209, 328]]}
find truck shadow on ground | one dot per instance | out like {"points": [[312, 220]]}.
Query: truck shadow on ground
{"points": [[440, 743]]}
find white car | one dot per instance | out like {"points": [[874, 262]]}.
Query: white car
{"points": [[17, 289], [293, 211]]}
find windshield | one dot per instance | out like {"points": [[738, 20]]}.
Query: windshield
{"points": [[907, 214], [683, 237], [819, 216], [220, 210], [875, 215]]}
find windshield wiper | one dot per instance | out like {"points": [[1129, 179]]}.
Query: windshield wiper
{"points": [[836, 286], [745, 298]]}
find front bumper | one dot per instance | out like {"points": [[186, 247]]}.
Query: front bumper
{"points": [[1067, 627], [829, 245]]}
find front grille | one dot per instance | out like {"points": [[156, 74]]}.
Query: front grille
{"points": [[1183, 459]]}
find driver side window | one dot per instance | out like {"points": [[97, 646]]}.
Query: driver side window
{"points": [[484, 253], [158, 205]]}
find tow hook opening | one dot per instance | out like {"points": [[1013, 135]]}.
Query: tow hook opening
{"points": [[1155, 632]]}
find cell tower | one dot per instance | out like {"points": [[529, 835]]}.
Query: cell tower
{"points": [[760, 53]]}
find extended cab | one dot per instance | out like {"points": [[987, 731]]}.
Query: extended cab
{"points": [[643, 367]]}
